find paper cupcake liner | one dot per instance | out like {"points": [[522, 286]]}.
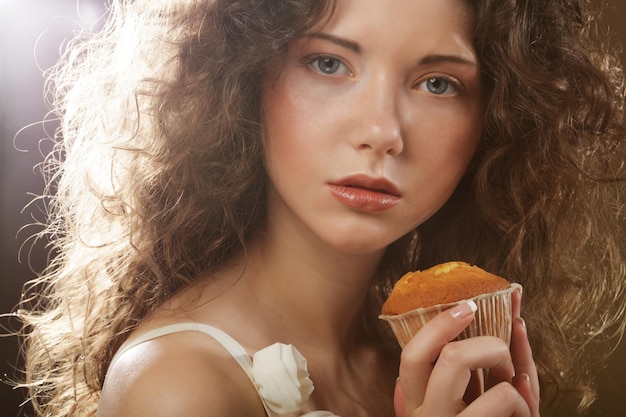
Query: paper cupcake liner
{"points": [[493, 317]]}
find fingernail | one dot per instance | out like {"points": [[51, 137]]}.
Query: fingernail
{"points": [[521, 321], [463, 310], [525, 377]]}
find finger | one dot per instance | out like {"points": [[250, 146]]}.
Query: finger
{"points": [[419, 355], [524, 386], [516, 299], [475, 387], [451, 375], [398, 400], [503, 400], [525, 368]]}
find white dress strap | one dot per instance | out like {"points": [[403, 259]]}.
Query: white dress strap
{"points": [[278, 372], [230, 344]]}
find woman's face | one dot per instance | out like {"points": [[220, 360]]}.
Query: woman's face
{"points": [[371, 121]]}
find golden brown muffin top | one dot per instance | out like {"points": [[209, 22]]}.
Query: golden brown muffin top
{"points": [[445, 283]]}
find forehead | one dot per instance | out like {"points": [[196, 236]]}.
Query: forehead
{"points": [[439, 23], [439, 10]]}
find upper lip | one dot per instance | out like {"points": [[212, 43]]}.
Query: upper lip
{"points": [[371, 183]]}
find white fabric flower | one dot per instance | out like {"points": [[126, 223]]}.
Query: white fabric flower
{"points": [[320, 414], [282, 379]]}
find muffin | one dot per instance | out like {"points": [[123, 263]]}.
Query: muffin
{"points": [[419, 296]]}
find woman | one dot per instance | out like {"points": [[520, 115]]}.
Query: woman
{"points": [[269, 169]]}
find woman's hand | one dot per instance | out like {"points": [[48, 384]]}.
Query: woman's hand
{"points": [[440, 378]]}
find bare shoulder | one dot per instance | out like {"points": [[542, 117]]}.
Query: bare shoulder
{"points": [[185, 373]]}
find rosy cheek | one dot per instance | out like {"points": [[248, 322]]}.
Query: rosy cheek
{"points": [[291, 128]]}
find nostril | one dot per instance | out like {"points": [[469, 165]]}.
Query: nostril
{"points": [[380, 130], [383, 145]]}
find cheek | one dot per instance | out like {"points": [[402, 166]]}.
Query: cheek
{"points": [[441, 161], [451, 145], [463, 148], [286, 149], [285, 146], [465, 132], [293, 133]]}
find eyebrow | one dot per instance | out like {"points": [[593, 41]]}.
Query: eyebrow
{"points": [[353, 46], [438, 59]]}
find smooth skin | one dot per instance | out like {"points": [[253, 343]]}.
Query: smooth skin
{"points": [[404, 105], [389, 91]]}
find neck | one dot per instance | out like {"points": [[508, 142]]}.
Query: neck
{"points": [[282, 290], [317, 288]]}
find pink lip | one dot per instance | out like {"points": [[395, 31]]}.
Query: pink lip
{"points": [[364, 193]]}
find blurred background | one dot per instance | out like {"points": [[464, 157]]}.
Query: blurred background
{"points": [[31, 35]]}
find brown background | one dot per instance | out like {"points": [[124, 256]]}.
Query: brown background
{"points": [[31, 31]]}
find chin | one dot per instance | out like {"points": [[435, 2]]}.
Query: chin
{"points": [[351, 246]]}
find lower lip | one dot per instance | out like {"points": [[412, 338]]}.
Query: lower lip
{"points": [[364, 199]]}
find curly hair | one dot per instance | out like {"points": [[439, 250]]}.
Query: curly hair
{"points": [[544, 204], [159, 177]]}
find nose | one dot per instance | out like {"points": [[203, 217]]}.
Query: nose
{"points": [[381, 127]]}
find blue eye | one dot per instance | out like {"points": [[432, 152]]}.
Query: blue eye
{"points": [[328, 65], [439, 86]]}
